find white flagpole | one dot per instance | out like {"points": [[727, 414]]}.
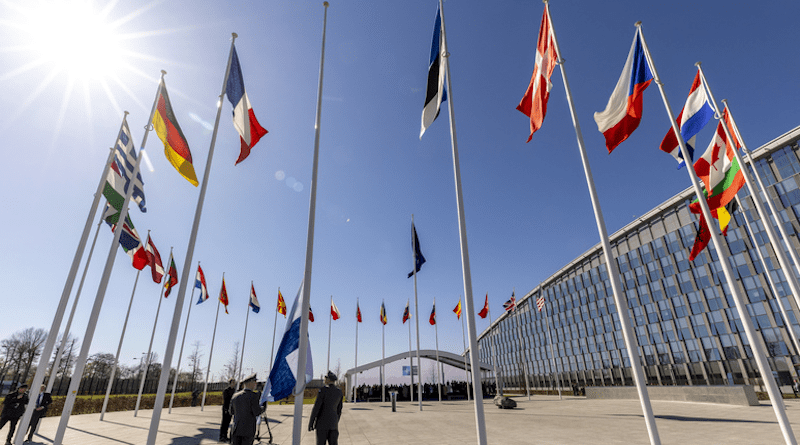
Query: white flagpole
{"points": [[180, 354], [330, 322], [756, 342], [495, 365], [355, 376], [274, 329], [306, 302], [410, 359], [438, 368], [55, 326], [611, 264], [121, 339], [464, 342], [150, 346], [550, 341], [383, 355], [416, 309], [244, 337], [522, 353], [60, 349], [80, 364], [480, 422], [187, 264], [211, 353]]}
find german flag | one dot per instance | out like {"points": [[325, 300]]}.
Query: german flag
{"points": [[175, 146]]}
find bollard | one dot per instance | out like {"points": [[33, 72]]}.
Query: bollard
{"points": [[393, 396]]}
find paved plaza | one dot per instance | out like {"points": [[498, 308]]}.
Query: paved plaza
{"points": [[543, 420]]}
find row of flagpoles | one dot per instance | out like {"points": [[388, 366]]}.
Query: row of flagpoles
{"points": [[722, 176]]}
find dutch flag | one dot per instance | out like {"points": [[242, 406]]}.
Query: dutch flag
{"points": [[693, 117]]}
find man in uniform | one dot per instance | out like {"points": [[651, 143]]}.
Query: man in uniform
{"points": [[245, 410], [43, 401], [13, 408], [227, 395], [326, 412]]}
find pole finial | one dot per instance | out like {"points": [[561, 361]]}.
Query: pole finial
{"points": [[725, 101], [638, 24], [698, 63], [545, 1], [325, 4], [234, 35], [126, 112]]}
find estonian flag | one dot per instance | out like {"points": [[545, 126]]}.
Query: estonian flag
{"points": [[436, 93], [283, 378]]}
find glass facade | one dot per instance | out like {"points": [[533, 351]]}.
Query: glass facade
{"points": [[685, 322]]}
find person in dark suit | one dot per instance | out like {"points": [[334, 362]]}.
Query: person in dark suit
{"points": [[326, 412], [13, 408], [245, 410], [227, 395], [42, 403]]}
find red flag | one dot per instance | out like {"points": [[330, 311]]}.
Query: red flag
{"points": [[358, 313], [172, 277], [310, 315], [485, 311], [281, 304], [432, 319], [534, 103], [223, 295], [457, 310], [154, 260], [334, 311]]}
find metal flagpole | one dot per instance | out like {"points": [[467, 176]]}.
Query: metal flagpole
{"points": [[274, 329], [497, 387], [756, 343], [464, 342], [410, 358], [244, 337], [80, 364], [55, 326], [438, 363], [355, 376], [552, 351], [150, 347], [306, 302], [522, 354], [211, 352], [119, 347], [60, 349], [480, 422], [330, 322], [611, 264], [187, 264], [383, 354], [416, 310], [180, 354]]}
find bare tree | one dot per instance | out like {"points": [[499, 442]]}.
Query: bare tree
{"points": [[99, 365], [194, 363], [21, 351], [229, 371], [338, 368], [67, 357]]}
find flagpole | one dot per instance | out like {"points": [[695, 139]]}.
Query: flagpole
{"points": [[521, 352], [611, 264], [187, 264], [410, 359], [383, 352], [60, 349], [180, 354], [497, 387], [785, 265], [55, 326], [303, 347], [464, 342], [355, 376], [274, 329], [438, 369], [80, 364], [244, 337], [480, 422], [119, 347], [330, 322], [550, 342], [755, 342], [416, 310], [211, 352]]}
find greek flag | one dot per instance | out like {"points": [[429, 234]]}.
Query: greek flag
{"points": [[125, 158]]}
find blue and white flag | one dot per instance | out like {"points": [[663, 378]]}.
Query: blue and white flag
{"points": [[254, 300], [283, 376], [693, 117], [250, 131], [435, 92], [125, 158]]}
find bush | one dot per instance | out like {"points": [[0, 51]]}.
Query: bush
{"points": [[94, 404]]}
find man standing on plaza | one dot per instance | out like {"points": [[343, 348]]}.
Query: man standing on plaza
{"points": [[42, 402], [245, 410], [13, 408], [326, 412], [227, 395]]}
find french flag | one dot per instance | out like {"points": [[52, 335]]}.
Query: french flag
{"points": [[624, 110], [693, 117], [250, 131]]}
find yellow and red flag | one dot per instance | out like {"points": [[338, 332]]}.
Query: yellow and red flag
{"points": [[457, 310], [383, 314], [175, 146], [223, 295], [281, 304]]}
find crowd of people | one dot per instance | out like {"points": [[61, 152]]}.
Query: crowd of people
{"points": [[451, 390]]}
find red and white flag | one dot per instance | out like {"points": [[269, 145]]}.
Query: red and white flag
{"points": [[540, 302], [335, 311], [154, 260], [310, 314], [534, 103]]}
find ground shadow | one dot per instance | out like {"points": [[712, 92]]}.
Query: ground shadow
{"points": [[698, 419], [204, 433], [109, 439], [360, 409]]}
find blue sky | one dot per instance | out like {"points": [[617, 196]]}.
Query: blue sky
{"points": [[527, 207]]}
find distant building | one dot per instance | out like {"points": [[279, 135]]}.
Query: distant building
{"points": [[687, 328]]}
